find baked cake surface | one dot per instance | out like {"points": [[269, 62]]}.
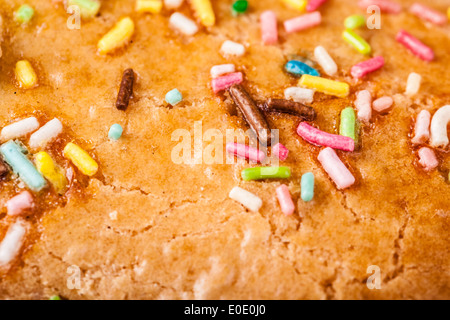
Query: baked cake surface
{"points": [[144, 227]]}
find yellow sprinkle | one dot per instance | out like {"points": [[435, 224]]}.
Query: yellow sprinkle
{"points": [[117, 36], [81, 159], [204, 11], [152, 6], [330, 87], [299, 5], [51, 171], [25, 75]]}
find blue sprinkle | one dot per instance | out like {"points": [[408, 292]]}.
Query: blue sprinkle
{"points": [[115, 132], [298, 68], [22, 166], [174, 97], [307, 187]]}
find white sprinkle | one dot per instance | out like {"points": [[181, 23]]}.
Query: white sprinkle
{"points": [[325, 61], [299, 94], [413, 84], [113, 215], [173, 4], [363, 104], [441, 119], [46, 133], [222, 69], [183, 24], [12, 242], [422, 128], [19, 128], [230, 48], [247, 199]]}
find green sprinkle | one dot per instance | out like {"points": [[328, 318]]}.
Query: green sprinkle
{"points": [[261, 173], [239, 7], [54, 298], [115, 132], [348, 123], [307, 187], [357, 42], [174, 97], [88, 8], [24, 14], [354, 22]]}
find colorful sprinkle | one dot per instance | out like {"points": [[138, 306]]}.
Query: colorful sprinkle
{"points": [[357, 42], [246, 198], [246, 152], [81, 159], [183, 24], [269, 27], [427, 158], [19, 203], [297, 68], [413, 84], [301, 95], [348, 123], [363, 104], [422, 127], [174, 97], [117, 37], [46, 133], [321, 138], [307, 187], [414, 45], [219, 70], [330, 87], [303, 22], [360, 70], [25, 75], [204, 11], [336, 169], [354, 22], [313, 5], [262, 173], [224, 82], [231, 48], [428, 14], [280, 151], [54, 298], [173, 4], [19, 128], [151, 6], [88, 8], [441, 119], [24, 14], [12, 242], [285, 200], [22, 166], [325, 61], [115, 132], [51, 171], [382, 104], [299, 5], [239, 7]]}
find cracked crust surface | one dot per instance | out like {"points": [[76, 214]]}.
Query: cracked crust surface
{"points": [[150, 229]]}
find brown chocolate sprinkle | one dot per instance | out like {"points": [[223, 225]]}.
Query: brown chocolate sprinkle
{"points": [[254, 117], [290, 107], [126, 90]]}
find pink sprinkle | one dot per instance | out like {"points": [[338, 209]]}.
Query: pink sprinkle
{"points": [[362, 69], [222, 83], [382, 104], [246, 152], [427, 158], [280, 151], [384, 5], [363, 104], [320, 138], [269, 28], [285, 200], [422, 128], [415, 46], [336, 169], [303, 22], [313, 5], [19, 203], [428, 14]]}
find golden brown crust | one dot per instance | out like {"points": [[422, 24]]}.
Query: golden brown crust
{"points": [[150, 229]]}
